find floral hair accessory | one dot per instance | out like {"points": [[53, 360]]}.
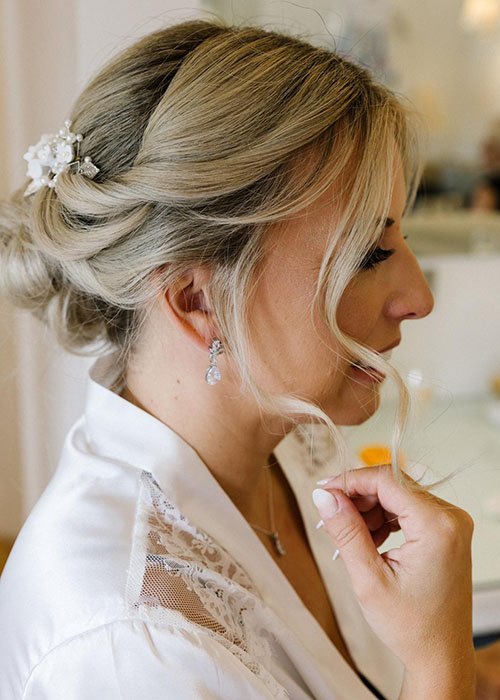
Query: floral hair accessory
{"points": [[54, 154]]}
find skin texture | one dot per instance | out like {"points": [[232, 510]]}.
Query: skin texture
{"points": [[408, 597], [301, 355], [223, 425]]}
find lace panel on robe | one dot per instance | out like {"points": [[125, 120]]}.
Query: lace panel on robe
{"points": [[180, 577]]}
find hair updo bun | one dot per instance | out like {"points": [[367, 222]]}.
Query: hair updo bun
{"points": [[205, 135], [51, 241]]}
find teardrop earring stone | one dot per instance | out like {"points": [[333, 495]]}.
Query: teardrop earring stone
{"points": [[212, 375]]}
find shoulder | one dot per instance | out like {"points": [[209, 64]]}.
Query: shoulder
{"points": [[126, 592], [132, 658], [108, 567], [68, 568]]}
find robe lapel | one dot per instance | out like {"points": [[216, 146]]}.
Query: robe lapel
{"points": [[373, 658], [202, 500], [120, 430]]}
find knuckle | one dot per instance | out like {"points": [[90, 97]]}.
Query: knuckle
{"points": [[346, 534], [468, 521], [454, 523], [448, 524], [385, 469], [386, 473]]}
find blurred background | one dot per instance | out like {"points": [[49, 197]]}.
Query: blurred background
{"points": [[444, 57]]}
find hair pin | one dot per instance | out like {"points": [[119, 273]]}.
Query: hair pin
{"points": [[54, 154]]}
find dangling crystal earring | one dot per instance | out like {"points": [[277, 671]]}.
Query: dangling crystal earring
{"points": [[212, 374]]}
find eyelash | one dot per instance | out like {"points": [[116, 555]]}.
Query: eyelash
{"points": [[376, 256]]}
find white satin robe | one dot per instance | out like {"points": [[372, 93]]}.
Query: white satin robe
{"points": [[71, 626]]}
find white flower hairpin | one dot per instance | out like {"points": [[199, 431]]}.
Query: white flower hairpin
{"points": [[54, 154]]}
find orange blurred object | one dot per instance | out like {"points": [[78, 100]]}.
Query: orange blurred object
{"points": [[373, 455], [495, 384]]}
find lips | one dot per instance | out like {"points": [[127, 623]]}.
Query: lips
{"points": [[370, 372]]}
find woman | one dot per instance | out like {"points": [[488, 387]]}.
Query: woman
{"points": [[223, 212]]}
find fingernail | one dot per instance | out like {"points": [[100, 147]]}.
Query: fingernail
{"points": [[325, 502], [336, 554], [320, 524], [322, 482]]}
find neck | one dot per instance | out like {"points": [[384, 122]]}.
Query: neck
{"points": [[228, 436]]}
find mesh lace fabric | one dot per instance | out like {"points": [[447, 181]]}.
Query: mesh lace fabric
{"points": [[180, 577]]}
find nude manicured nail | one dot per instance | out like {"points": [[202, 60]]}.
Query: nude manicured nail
{"points": [[320, 524], [325, 502], [322, 482], [337, 552]]}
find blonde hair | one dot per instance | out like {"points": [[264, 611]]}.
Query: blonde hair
{"points": [[203, 134]]}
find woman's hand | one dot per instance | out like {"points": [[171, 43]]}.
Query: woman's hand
{"points": [[488, 672], [418, 597]]}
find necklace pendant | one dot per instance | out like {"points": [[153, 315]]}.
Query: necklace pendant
{"points": [[277, 543]]}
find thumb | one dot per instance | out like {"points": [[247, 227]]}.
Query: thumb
{"points": [[346, 526]]}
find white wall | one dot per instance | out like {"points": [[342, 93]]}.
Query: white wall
{"points": [[451, 74], [104, 28], [36, 51], [49, 51], [10, 459], [456, 347]]}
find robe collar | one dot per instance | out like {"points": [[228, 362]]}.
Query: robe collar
{"points": [[119, 430]]}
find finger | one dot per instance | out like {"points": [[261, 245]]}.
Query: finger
{"points": [[351, 536], [374, 515], [374, 518], [364, 503], [367, 503], [410, 508], [370, 506], [379, 536], [393, 521]]}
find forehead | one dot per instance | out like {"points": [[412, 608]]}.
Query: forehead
{"points": [[304, 236], [307, 232]]}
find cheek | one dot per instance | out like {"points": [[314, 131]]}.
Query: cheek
{"points": [[359, 310], [294, 350], [283, 347]]}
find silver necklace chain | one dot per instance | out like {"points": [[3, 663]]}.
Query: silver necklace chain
{"points": [[273, 533]]}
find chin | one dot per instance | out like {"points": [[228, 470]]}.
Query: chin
{"points": [[348, 410], [357, 420], [357, 413]]}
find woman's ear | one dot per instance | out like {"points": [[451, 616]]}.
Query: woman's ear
{"points": [[187, 305]]}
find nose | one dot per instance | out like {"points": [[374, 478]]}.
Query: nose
{"points": [[413, 298]]}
